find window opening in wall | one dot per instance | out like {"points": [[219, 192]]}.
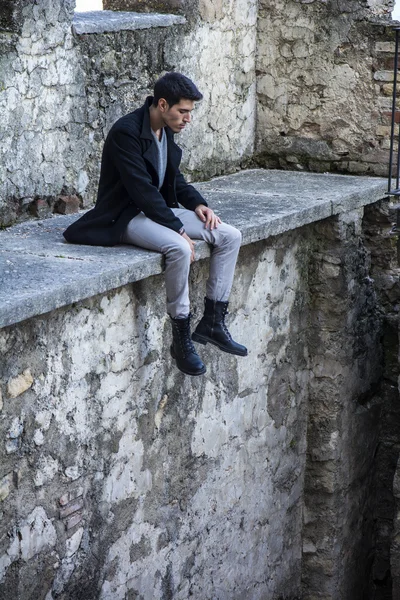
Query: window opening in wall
{"points": [[87, 5]]}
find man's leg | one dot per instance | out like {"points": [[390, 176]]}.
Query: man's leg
{"points": [[144, 232], [225, 240]]}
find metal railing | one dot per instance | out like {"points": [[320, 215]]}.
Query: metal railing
{"points": [[395, 191]]}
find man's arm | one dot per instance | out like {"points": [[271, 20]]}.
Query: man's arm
{"points": [[126, 154], [208, 216], [186, 194]]}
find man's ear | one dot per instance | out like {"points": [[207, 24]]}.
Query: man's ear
{"points": [[163, 105]]}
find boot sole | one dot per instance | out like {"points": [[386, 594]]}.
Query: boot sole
{"points": [[193, 374], [203, 340]]}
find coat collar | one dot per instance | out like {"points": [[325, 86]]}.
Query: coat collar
{"points": [[146, 127], [174, 151]]}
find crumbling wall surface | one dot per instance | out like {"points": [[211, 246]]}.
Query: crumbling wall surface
{"points": [[42, 108], [60, 94], [323, 86], [344, 348], [123, 478]]}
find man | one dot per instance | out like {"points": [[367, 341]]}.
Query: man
{"points": [[137, 203]]}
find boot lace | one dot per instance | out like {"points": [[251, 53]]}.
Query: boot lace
{"points": [[184, 338]]}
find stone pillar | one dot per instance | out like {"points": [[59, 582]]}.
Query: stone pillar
{"points": [[381, 244], [342, 436]]}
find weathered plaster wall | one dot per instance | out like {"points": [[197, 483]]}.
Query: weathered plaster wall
{"points": [[323, 85], [122, 478], [60, 94]]}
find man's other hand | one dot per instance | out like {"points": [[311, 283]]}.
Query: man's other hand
{"points": [[191, 244], [208, 216]]}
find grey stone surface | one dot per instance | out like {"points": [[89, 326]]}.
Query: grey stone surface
{"points": [[40, 272], [102, 21]]}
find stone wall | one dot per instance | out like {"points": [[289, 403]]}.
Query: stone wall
{"points": [[60, 93], [322, 72], [122, 478], [42, 95], [323, 86]]}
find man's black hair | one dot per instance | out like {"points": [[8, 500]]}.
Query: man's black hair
{"points": [[174, 87]]}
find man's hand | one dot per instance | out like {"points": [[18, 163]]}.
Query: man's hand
{"points": [[191, 244], [208, 216]]}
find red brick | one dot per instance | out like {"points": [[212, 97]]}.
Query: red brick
{"points": [[396, 116], [67, 205]]}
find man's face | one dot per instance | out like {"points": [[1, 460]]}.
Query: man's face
{"points": [[178, 115]]}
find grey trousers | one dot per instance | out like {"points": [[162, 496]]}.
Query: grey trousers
{"points": [[225, 239]]}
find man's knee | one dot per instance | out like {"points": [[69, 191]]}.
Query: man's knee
{"points": [[232, 235], [179, 251]]}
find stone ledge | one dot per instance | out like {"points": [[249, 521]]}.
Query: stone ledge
{"points": [[106, 21], [40, 272]]}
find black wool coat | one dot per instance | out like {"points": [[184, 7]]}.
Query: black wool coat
{"points": [[129, 184]]}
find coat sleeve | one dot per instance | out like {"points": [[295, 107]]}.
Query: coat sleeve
{"points": [[125, 152], [186, 194]]}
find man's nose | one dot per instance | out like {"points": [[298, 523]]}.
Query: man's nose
{"points": [[187, 118]]}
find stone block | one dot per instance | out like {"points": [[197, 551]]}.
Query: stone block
{"points": [[67, 205], [385, 46], [20, 384], [73, 521], [73, 543], [5, 486], [71, 508], [40, 208], [383, 130], [383, 76], [387, 89]]}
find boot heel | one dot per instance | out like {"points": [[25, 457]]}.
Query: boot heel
{"points": [[197, 338]]}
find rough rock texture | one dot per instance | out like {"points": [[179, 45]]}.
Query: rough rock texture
{"points": [[323, 85]]}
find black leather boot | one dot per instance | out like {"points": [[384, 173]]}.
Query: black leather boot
{"points": [[182, 349], [212, 329]]}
